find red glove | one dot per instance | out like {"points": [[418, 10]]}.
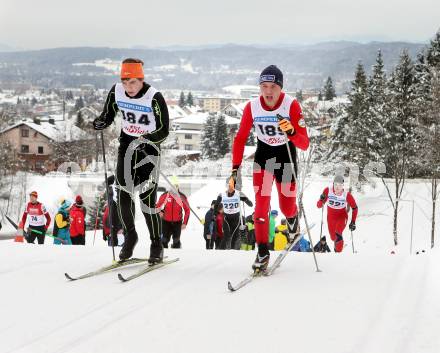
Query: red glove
{"points": [[319, 204]]}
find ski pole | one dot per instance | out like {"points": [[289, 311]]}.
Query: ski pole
{"points": [[47, 235], [352, 241], [301, 207], [242, 226], [322, 221], [109, 202]]}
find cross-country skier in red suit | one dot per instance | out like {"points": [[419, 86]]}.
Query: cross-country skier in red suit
{"points": [[271, 157], [337, 210], [38, 218]]}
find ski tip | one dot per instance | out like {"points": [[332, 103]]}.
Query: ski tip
{"points": [[232, 289], [69, 277], [121, 278]]}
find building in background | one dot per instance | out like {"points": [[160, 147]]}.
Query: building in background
{"points": [[188, 131], [42, 146], [216, 104]]}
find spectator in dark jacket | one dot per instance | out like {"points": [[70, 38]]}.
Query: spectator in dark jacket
{"points": [[218, 228], [321, 246], [116, 223], [208, 230], [106, 225]]}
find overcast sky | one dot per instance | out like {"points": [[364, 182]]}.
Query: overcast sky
{"points": [[35, 24]]}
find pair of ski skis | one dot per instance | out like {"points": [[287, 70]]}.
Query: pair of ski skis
{"points": [[119, 264], [271, 269], [152, 267]]}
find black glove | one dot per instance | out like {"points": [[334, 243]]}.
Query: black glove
{"points": [[99, 124], [352, 226], [248, 202], [322, 197]]}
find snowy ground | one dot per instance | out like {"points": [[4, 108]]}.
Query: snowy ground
{"points": [[362, 303], [370, 301]]}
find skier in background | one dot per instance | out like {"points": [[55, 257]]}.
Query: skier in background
{"points": [[230, 201], [145, 124], [337, 214], [208, 226], [38, 218], [271, 157]]}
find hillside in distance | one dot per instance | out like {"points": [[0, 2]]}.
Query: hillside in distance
{"points": [[205, 68]]}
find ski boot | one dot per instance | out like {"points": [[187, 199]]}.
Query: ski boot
{"points": [[156, 252], [293, 229], [176, 245], [126, 252], [262, 260]]}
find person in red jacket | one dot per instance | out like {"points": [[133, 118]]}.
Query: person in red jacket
{"points": [[272, 160], [106, 225], [77, 222], [38, 218], [337, 215], [172, 206]]}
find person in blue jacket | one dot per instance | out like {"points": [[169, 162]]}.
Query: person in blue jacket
{"points": [[302, 246]]}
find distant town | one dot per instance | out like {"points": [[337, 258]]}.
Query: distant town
{"points": [[47, 127]]}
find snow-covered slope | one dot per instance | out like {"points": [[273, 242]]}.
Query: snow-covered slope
{"points": [[371, 301], [358, 303]]}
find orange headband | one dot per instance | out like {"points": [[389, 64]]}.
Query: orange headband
{"points": [[132, 70]]}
